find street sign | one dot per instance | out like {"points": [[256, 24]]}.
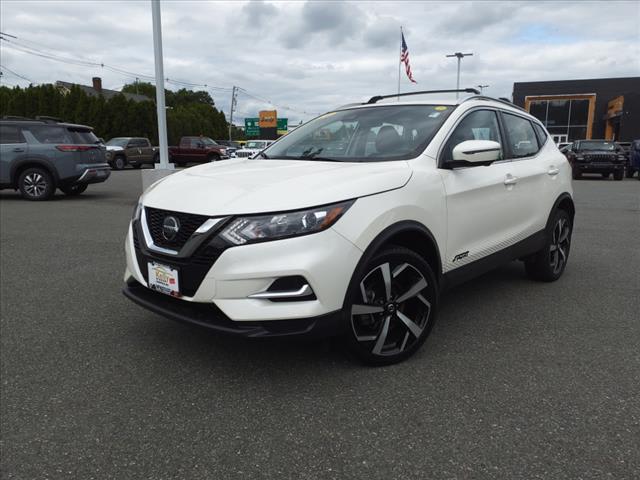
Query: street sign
{"points": [[283, 126], [252, 127]]}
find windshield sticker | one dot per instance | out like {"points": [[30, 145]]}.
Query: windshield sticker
{"points": [[440, 108], [434, 114]]}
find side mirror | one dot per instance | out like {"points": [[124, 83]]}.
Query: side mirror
{"points": [[475, 152]]}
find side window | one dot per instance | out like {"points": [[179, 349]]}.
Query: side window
{"points": [[10, 134], [542, 135], [50, 134], [478, 125], [521, 137]]}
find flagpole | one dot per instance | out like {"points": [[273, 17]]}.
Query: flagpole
{"points": [[399, 62]]}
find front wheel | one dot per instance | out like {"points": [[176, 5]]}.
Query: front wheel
{"points": [[119, 163], [618, 175], [213, 158], [629, 172], [392, 306], [548, 264], [74, 190]]}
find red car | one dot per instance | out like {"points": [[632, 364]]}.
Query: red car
{"points": [[197, 150]]}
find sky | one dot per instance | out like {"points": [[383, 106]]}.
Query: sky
{"points": [[309, 57]]}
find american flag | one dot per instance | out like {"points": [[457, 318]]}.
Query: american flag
{"points": [[404, 58]]}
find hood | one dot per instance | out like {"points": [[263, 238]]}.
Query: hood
{"points": [[243, 186], [114, 148]]}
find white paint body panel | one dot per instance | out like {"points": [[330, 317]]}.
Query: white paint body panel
{"points": [[466, 210]]}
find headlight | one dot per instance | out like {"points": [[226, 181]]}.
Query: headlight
{"points": [[223, 151], [261, 228], [137, 211]]}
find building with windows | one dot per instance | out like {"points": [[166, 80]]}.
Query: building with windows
{"points": [[603, 108]]}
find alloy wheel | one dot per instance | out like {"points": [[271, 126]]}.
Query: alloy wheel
{"points": [[35, 184], [395, 309], [559, 249]]}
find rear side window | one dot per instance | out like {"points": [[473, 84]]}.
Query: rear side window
{"points": [[83, 136], [10, 134], [521, 137], [50, 134], [542, 135]]}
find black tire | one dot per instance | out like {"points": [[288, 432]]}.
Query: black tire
{"points": [[74, 190], [549, 263], [156, 158], [213, 158], [396, 315], [629, 172], [606, 175], [576, 173], [118, 163], [36, 184], [618, 175], [137, 166]]}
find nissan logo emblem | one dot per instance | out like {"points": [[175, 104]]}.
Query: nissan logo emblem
{"points": [[170, 228]]}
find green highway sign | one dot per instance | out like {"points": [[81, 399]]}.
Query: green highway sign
{"points": [[252, 127]]}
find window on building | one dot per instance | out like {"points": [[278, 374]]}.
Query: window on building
{"points": [[564, 118]]}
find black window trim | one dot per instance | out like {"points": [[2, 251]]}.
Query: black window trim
{"points": [[441, 164]]}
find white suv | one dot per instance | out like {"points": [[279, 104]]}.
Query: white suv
{"points": [[354, 223]]}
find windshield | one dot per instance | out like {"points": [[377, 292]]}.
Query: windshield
{"points": [[118, 142], [608, 146], [372, 134], [207, 141], [255, 145]]}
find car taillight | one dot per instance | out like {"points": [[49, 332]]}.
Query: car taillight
{"points": [[74, 148]]}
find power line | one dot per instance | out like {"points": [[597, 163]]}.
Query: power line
{"points": [[16, 74]]}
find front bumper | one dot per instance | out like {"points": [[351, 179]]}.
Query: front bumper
{"points": [[212, 318], [326, 260], [600, 167]]}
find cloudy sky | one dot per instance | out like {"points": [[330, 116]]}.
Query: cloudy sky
{"points": [[313, 56]]}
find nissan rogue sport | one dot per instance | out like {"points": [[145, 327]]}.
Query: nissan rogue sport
{"points": [[354, 223]]}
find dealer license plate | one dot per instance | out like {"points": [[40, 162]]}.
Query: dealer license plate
{"points": [[164, 279]]}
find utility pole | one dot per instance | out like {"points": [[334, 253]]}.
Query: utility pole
{"points": [[459, 56], [482, 87], [234, 100], [160, 104]]}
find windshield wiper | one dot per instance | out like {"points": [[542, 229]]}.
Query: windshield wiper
{"points": [[318, 159]]}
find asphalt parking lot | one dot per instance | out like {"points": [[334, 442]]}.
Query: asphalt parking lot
{"points": [[517, 380]]}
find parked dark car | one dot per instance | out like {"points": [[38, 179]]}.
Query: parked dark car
{"points": [[596, 156], [634, 156], [38, 156], [625, 146], [134, 151], [197, 150]]}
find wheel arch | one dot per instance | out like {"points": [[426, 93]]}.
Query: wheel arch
{"points": [[563, 202], [409, 234], [22, 165]]}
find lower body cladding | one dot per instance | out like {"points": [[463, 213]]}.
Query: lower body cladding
{"points": [[287, 287]]}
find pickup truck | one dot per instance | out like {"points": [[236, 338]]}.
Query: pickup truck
{"points": [[134, 151], [197, 150]]}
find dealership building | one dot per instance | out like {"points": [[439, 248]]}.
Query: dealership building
{"points": [[600, 108]]}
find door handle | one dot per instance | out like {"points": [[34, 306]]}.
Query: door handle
{"points": [[553, 171], [510, 180], [18, 149]]}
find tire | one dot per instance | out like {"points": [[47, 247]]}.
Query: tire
{"points": [[618, 175], [548, 264], [213, 158], [137, 166], [391, 307], [119, 163], [606, 175], [629, 172], [74, 190], [156, 158], [36, 184], [576, 174]]}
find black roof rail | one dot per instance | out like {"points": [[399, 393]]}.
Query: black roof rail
{"points": [[382, 97], [506, 101], [15, 117], [48, 119]]}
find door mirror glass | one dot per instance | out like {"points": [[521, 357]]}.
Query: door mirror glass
{"points": [[476, 152]]}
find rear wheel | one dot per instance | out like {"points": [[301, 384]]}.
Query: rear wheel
{"points": [[618, 175], [36, 184], [548, 264], [73, 190], [392, 306]]}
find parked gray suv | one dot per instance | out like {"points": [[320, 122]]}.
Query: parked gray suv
{"points": [[38, 156]]}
